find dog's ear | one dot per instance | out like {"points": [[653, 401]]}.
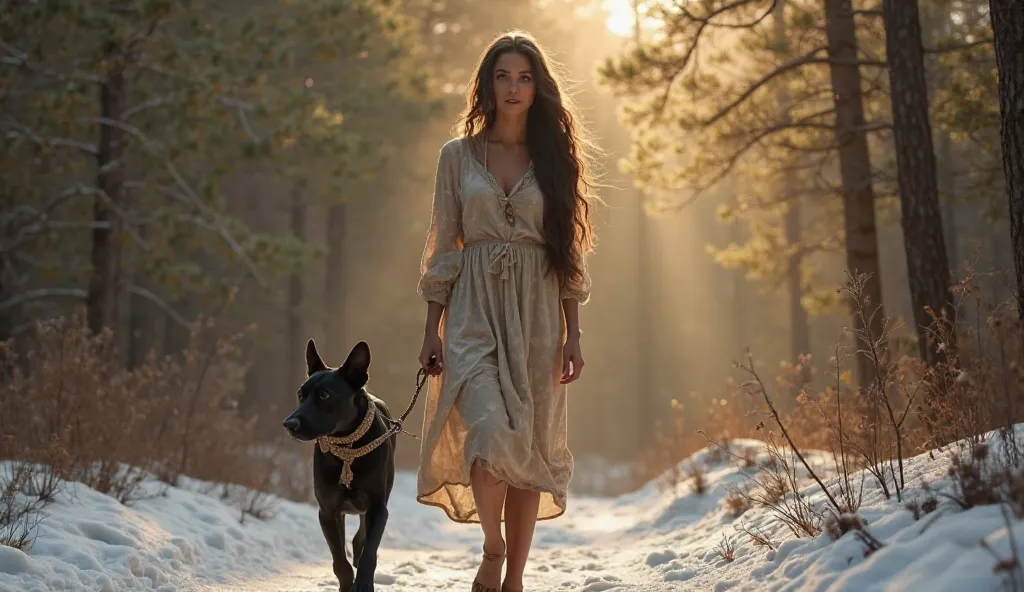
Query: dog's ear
{"points": [[313, 362], [356, 368]]}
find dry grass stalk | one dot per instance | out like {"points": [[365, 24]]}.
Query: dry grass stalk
{"points": [[1010, 566], [758, 537], [726, 549]]}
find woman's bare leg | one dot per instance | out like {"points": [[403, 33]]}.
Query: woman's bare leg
{"points": [[489, 495], [520, 520]]}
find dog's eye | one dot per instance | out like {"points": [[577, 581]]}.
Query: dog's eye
{"points": [[324, 395]]}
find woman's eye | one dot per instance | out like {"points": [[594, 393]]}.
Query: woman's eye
{"points": [[324, 395], [527, 79]]}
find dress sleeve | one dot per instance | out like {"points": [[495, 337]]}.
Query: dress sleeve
{"points": [[578, 289], [441, 262]]}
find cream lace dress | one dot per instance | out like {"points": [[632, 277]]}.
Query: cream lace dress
{"points": [[498, 399]]}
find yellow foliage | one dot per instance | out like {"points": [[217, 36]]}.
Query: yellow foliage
{"points": [[328, 117]]}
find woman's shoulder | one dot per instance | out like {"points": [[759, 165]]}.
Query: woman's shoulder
{"points": [[454, 148]]}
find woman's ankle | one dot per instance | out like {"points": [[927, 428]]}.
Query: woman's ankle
{"points": [[512, 583], [494, 548]]}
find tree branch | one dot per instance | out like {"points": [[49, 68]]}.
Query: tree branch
{"points": [[157, 101], [807, 59], [80, 294], [726, 8], [41, 294], [20, 59], [15, 129], [240, 107], [26, 232], [191, 195], [958, 46], [160, 302]]}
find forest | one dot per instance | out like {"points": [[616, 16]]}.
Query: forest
{"points": [[829, 191]]}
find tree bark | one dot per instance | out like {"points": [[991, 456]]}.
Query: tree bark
{"points": [[921, 218], [295, 348], [141, 318], [104, 281], [1008, 32], [947, 199], [334, 282], [799, 321], [645, 302], [855, 174]]}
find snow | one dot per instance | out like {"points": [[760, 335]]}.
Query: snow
{"points": [[650, 539]]}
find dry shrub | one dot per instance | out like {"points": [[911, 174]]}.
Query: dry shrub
{"points": [[975, 391], [1010, 567], [698, 476], [922, 507], [690, 423], [69, 405], [981, 386], [737, 502], [778, 489], [837, 525], [758, 537], [907, 408], [20, 511], [726, 549]]}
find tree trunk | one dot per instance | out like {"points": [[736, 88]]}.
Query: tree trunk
{"points": [[923, 243], [740, 284], [1008, 30], [947, 199], [176, 338], [799, 322], [296, 349], [141, 319], [334, 282], [102, 298], [855, 174], [645, 302]]}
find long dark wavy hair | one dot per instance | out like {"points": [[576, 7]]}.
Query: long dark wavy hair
{"points": [[555, 146]]}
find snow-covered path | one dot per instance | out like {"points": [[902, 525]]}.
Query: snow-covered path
{"points": [[589, 548], [648, 540]]}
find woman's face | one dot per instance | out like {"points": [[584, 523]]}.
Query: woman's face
{"points": [[514, 89]]}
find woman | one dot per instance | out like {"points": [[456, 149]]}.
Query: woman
{"points": [[504, 262]]}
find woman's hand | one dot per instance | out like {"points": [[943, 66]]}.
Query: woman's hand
{"points": [[430, 354], [572, 359]]}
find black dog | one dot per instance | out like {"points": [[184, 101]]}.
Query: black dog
{"points": [[333, 403]]}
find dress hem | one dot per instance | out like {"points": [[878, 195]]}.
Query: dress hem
{"points": [[471, 519]]}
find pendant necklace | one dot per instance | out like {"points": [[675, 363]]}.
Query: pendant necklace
{"points": [[510, 214]]}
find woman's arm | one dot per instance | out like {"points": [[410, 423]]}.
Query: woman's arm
{"points": [[572, 355], [441, 262], [571, 309], [433, 324]]}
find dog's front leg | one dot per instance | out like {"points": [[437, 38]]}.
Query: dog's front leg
{"points": [[359, 540], [334, 532], [376, 520]]}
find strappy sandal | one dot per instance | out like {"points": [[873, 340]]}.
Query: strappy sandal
{"points": [[492, 557]]}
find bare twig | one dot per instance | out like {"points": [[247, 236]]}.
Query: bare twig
{"points": [[782, 427]]}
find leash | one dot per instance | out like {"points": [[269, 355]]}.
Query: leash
{"points": [[396, 424]]}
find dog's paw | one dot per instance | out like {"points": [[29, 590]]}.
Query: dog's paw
{"points": [[363, 587]]}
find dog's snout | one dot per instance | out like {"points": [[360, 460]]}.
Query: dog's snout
{"points": [[292, 423]]}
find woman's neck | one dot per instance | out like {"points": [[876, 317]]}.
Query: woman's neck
{"points": [[509, 131]]}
